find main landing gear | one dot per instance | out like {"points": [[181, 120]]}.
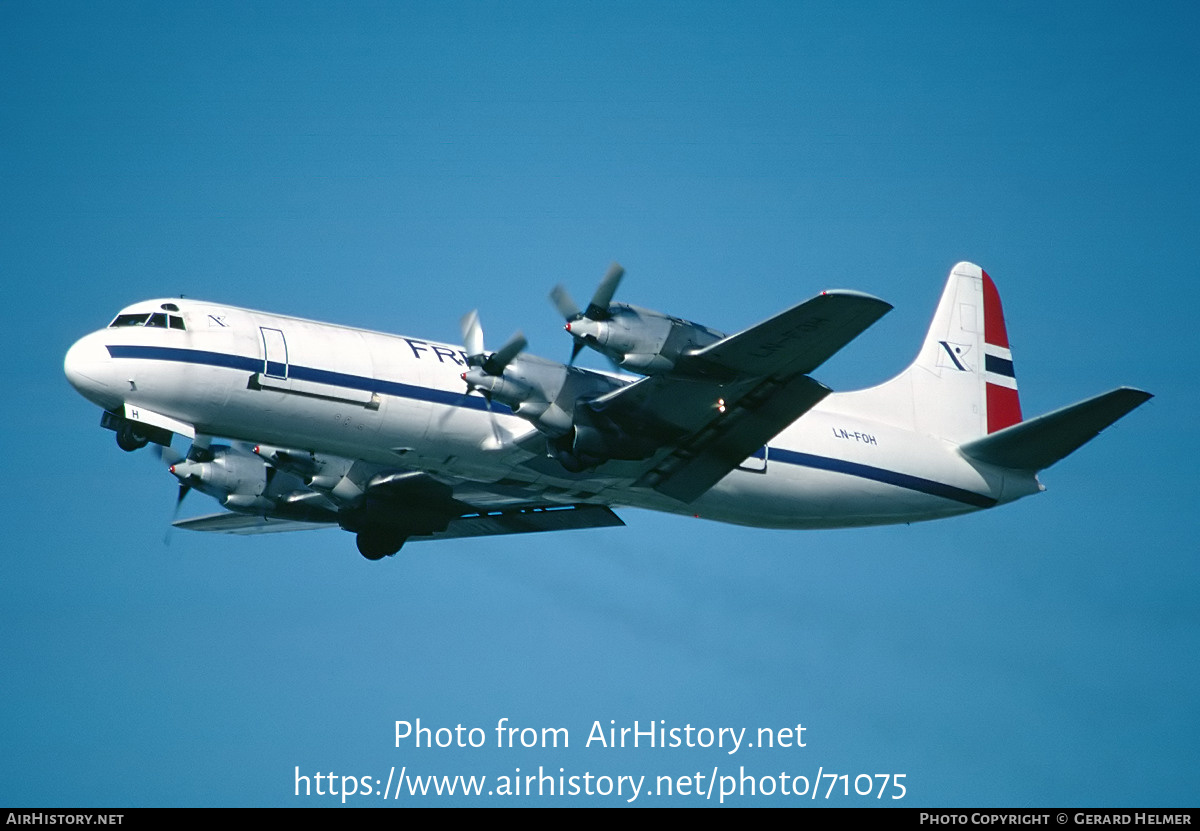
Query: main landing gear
{"points": [[375, 544]]}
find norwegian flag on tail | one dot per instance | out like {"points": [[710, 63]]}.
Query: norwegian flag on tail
{"points": [[1003, 402]]}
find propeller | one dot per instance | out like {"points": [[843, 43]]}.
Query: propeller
{"points": [[494, 363], [198, 452], [491, 366], [171, 457], [597, 310]]}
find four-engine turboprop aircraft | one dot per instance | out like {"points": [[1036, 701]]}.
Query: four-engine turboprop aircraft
{"points": [[397, 438]]}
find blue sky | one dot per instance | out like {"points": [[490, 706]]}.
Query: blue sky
{"points": [[394, 165]]}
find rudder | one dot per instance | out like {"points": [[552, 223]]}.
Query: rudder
{"points": [[1003, 403]]}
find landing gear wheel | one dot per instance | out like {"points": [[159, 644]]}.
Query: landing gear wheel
{"points": [[375, 545], [128, 439]]}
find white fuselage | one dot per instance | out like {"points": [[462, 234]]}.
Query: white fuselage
{"points": [[398, 401]]}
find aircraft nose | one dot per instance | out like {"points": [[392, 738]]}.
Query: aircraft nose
{"points": [[88, 367]]}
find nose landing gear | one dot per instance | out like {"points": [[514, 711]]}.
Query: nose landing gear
{"points": [[128, 439]]}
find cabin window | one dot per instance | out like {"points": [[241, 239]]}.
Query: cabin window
{"points": [[176, 322], [157, 320]]}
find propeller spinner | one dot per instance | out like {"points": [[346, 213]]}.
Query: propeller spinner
{"points": [[584, 325]]}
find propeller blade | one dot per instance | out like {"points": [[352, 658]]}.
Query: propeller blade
{"points": [[563, 302], [183, 491], [200, 451], [576, 348], [452, 410], [168, 455], [496, 363], [598, 308], [472, 332], [487, 399]]}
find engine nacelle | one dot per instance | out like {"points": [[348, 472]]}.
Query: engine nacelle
{"points": [[511, 390], [343, 490], [228, 471], [303, 463], [642, 340], [594, 440], [246, 503], [237, 479], [244, 482], [324, 474]]}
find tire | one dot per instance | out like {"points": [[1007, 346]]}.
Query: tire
{"points": [[375, 545], [128, 439]]}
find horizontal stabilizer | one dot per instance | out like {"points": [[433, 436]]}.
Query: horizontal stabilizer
{"points": [[1040, 442]]}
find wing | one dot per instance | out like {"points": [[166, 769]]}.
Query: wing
{"points": [[228, 522], [524, 520], [794, 341], [757, 384]]}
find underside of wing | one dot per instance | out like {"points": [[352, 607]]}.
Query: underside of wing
{"points": [[528, 521], [522, 520], [231, 523], [701, 460]]}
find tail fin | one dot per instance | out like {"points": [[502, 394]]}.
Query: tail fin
{"points": [[961, 385], [962, 388]]}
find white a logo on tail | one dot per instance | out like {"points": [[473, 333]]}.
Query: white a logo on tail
{"points": [[956, 356]]}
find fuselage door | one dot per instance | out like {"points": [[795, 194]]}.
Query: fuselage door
{"points": [[275, 358]]}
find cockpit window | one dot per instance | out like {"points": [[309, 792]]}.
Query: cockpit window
{"points": [[130, 320], [157, 320]]}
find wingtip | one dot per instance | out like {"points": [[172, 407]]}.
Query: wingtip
{"points": [[859, 295]]}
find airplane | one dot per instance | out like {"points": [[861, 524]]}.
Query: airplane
{"points": [[297, 424]]}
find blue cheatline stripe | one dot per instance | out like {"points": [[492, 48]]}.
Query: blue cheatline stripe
{"points": [[186, 356], [878, 474], [395, 388], [305, 373], [1000, 366]]}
